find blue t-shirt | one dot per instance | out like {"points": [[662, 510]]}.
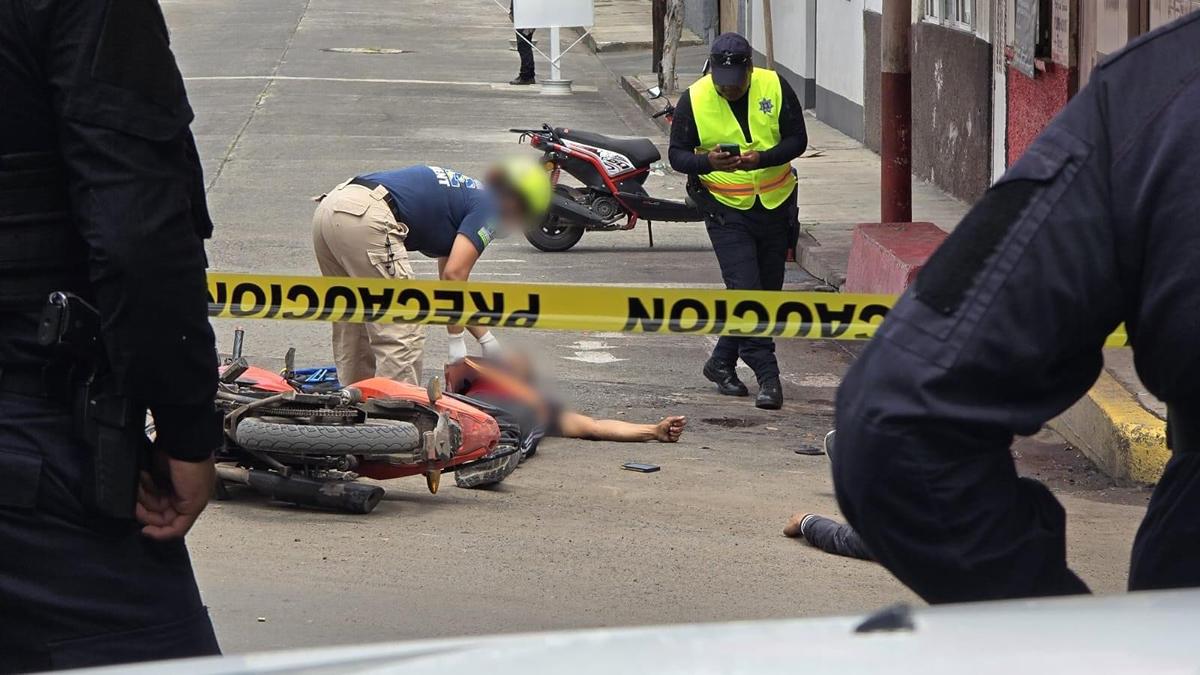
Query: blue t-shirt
{"points": [[438, 205]]}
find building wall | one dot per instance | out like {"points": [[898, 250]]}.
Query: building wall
{"points": [[839, 67], [702, 17], [872, 65], [951, 99], [795, 51], [1032, 103]]}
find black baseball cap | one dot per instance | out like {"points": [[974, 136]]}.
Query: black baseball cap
{"points": [[729, 59]]}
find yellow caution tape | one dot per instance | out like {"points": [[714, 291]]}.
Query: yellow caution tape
{"points": [[636, 309]]}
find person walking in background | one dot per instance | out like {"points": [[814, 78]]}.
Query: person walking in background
{"points": [[528, 74], [734, 134]]}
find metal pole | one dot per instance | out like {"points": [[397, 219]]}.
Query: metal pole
{"points": [[555, 54], [556, 86], [896, 113], [658, 16]]}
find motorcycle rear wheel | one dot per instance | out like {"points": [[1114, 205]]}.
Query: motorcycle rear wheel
{"points": [[331, 439]]}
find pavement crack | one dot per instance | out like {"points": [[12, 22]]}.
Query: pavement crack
{"points": [[258, 102]]}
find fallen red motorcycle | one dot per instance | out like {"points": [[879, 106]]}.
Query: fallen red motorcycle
{"points": [[294, 444]]}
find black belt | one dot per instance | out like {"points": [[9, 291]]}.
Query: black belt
{"points": [[387, 196], [1183, 427]]}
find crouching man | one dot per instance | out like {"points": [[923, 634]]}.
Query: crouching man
{"points": [[366, 226]]}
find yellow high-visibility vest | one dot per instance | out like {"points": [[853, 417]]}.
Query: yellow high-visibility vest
{"points": [[717, 125]]}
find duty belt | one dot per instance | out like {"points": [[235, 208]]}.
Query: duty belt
{"points": [[387, 196], [24, 382], [1183, 427]]}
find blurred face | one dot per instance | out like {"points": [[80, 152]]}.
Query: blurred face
{"points": [[735, 91], [519, 365], [512, 211], [513, 218]]}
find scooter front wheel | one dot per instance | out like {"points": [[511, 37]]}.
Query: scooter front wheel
{"points": [[553, 236]]}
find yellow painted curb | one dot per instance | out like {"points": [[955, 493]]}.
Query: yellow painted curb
{"points": [[1112, 428]]}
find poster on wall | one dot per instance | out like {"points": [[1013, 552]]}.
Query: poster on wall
{"points": [[1060, 34], [1024, 38]]}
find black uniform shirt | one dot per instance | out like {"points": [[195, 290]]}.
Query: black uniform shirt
{"points": [[95, 83]]}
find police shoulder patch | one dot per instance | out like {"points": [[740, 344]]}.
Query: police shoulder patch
{"points": [[956, 265]]}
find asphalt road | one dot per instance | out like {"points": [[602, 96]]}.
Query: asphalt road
{"points": [[570, 540]]}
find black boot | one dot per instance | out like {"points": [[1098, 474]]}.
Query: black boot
{"points": [[726, 379], [770, 394], [523, 80]]}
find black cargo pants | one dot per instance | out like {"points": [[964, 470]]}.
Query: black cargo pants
{"points": [[751, 248], [78, 589]]}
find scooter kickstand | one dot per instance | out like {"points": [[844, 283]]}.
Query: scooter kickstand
{"points": [[650, 231]]}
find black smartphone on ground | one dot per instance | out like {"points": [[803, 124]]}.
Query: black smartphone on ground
{"points": [[731, 148], [640, 467]]}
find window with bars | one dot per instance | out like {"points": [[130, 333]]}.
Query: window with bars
{"points": [[954, 13]]}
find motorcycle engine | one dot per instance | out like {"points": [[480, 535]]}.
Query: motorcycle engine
{"points": [[607, 209]]}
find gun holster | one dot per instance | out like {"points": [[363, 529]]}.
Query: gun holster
{"points": [[111, 424], [709, 207]]}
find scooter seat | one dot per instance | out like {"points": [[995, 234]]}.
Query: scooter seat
{"points": [[641, 151]]}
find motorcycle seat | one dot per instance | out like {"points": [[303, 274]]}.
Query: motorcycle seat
{"points": [[641, 151]]}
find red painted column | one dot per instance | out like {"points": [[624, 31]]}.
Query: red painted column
{"points": [[896, 112]]}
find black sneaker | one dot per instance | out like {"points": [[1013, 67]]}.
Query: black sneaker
{"points": [[522, 81], [726, 379], [770, 395]]}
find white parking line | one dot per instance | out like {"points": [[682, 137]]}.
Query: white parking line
{"points": [[422, 261], [377, 80], [495, 274], [361, 80]]}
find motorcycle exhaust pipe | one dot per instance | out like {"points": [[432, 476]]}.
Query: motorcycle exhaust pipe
{"points": [[573, 212], [335, 495]]}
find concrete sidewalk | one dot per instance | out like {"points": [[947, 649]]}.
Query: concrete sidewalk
{"points": [[623, 25]]}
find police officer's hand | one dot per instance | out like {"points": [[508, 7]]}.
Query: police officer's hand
{"points": [[169, 504], [722, 161], [749, 160]]}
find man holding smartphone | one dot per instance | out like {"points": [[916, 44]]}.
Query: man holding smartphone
{"points": [[734, 134]]}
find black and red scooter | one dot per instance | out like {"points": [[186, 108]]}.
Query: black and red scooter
{"points": [[613, 170]]}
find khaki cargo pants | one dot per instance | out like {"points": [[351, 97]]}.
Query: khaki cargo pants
{"points": [[355, 234]]}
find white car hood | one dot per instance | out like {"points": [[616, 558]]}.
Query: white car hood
{"points": [[1139, 632]]}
